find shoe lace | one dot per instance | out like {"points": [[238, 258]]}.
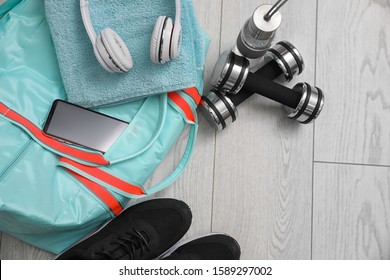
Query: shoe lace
{"points": [[129, 243]]}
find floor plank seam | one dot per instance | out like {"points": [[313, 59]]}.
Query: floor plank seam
{"points": [[351, 163], [312, 196], [215, 134], [314, 134]]}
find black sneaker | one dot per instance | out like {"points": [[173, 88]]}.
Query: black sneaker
{"points": [[209, 247], [142, 232]]}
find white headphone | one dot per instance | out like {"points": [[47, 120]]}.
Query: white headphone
{"points": [[114, 56], [165, 42]]}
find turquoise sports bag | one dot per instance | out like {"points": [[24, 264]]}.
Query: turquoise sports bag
{"points": [[51, 193]]}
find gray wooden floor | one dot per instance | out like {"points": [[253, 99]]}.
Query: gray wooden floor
{"points": [[283, 190]]}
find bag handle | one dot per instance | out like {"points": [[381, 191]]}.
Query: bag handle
{"points": [[160, 125], [182, 164], [191, 118]]}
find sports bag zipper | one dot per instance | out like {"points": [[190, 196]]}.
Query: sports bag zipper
{"points": [[15, 159]]}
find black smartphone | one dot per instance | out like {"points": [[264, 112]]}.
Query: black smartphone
{"points": [[74, 124]]}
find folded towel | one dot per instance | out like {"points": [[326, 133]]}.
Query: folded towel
{"points": [[88, 84]]}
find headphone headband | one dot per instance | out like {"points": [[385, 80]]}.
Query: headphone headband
{"points": [[84, 7], [178, 13]]}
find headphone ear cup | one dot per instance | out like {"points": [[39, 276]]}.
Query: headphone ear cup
{"points": [[175, 42], [112, 53], [161, 40], [102, 56], [155, 40], [166, 40], [155, 54], [117, 50]]}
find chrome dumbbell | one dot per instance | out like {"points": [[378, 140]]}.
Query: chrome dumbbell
{"points": [[232, 77], [302, 103]]}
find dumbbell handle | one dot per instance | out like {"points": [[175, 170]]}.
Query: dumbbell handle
{"points": [[261, 83], [270, 71]]}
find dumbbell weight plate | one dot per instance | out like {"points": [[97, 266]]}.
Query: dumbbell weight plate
{"points": [[218, 110], [288, 58], [310, 105], [230, 73]]}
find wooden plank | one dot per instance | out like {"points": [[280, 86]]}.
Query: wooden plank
{"points": [[351, 218], [14, 249], [263, 169], [354, 70]]}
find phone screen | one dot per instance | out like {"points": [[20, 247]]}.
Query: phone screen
{"points": [[84, 127]]}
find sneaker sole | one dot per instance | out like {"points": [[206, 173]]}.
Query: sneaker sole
{"points": [[183, 242]]}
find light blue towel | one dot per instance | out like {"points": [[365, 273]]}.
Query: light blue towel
{"points": [[88, 84]]}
